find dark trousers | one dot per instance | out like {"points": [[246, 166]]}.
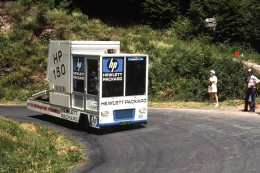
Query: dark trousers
{"points": [[250, 91]]}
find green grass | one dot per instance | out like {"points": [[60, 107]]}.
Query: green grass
{"points": [[27, 147]]}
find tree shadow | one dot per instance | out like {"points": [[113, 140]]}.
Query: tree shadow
{"points": [[113, 12], [57, 121]]}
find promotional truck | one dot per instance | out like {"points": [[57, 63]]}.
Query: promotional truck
{"points": [[92, 83]]}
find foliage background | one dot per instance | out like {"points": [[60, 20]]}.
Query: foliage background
{"points": [[237, 20], [182, 50]]}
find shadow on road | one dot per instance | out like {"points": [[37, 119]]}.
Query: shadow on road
{"points": [[58, 121], [79, 127], [116, 129]]}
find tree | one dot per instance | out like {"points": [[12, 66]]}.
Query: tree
{"points": [[237, 20], [161, 12]]}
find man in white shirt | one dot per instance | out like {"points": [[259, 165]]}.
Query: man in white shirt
{"points": [[252, 82]]}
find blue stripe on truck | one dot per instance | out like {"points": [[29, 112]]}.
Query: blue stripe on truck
{"points": [[117, 123]]}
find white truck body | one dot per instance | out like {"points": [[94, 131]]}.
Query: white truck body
{"points": [[92, 81]]}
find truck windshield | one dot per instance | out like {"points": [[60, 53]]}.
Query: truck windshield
{"points": [[135, 75]]}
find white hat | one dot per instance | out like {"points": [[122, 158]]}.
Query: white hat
{"points": [[251, 71], [212, 71]]}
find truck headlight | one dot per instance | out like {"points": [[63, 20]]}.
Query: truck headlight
{"points": [[143, 110], [104, 113]]}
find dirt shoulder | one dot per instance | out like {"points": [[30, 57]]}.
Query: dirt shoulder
{"points": [[198, 106], [13, 104], [252, 64]]}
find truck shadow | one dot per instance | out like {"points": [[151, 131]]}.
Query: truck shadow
{"points": [[78, 127]]}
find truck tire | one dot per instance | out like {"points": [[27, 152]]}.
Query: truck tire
{"points": [[84, 122]]}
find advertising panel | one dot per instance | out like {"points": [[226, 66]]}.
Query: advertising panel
{"points": [[113, 76], [78, 74]]}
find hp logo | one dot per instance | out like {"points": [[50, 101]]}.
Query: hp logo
{"points": [[94, 120], [112, 65]]}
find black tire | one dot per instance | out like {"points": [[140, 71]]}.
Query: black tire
{"points": [[84, 122]]}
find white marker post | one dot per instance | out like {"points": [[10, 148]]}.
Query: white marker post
{"points": [[211, 23]]}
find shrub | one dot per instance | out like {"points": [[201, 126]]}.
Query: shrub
{"points": [[183, 75], [161, 12], [181, 28]]}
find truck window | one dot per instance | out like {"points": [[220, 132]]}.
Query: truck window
{"points": [[113, 77], [135, 75], [78, 74], [92, 67], [78, 82]]}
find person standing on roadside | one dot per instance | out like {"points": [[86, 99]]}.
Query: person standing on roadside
{"points": [[212, 89], [252, 82]]}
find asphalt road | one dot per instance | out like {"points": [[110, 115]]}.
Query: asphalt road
{"points": [[200, 141]]}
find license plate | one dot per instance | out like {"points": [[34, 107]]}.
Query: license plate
{"points": [[125, 123]]}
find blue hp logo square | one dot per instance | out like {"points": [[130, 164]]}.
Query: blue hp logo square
{"points": [[113, 65], [78, 64]]}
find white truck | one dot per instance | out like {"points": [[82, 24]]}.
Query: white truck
{"points": [[93, 83]]}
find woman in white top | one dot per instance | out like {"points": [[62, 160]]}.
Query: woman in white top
{"points": [[212, 89]]}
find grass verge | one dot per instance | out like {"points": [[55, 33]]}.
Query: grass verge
{"points": [[27, 147], [12, 103], [199, 105], [167, 104]]}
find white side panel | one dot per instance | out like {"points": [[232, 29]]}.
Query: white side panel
{"points": [[40, 107], [94, 47], [60, 99], [58, 72], [57, 111]]}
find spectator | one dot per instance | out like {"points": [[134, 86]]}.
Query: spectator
{"points": [[252, 82], [250, 103], [212, 89]]}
